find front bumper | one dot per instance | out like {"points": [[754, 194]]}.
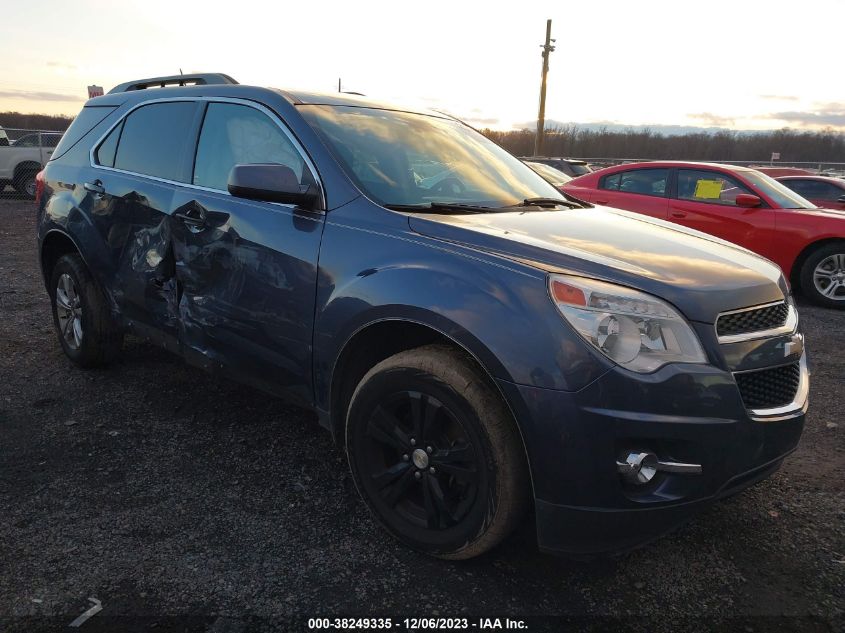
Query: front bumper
{"points": [[683, 413]]}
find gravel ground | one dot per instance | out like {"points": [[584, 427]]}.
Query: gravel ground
{"points": [[169, 495]]}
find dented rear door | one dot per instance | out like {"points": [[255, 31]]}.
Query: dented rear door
{"points": [[130, 192], [133, 214]]}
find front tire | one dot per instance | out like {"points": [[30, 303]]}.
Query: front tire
{"points": [[435, 453], [84, 325], [823, 276]]}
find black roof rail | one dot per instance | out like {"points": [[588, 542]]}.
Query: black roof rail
{"points": [[197, 79]]}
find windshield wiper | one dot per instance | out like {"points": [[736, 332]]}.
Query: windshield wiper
{"points": [[434, 207], [461, 207], [547, 203]]}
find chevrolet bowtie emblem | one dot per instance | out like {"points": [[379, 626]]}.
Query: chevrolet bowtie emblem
{"points": [[790, 347]]}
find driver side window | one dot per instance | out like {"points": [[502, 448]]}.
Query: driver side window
{"points": [[709, 187]]}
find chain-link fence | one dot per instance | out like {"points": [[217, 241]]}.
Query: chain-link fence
{"points": [[23, 153]]}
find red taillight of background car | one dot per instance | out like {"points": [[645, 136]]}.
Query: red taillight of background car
{"points": [[39, 186]]}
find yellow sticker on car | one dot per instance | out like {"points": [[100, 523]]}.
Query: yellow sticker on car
{"points": [[708, 189]]}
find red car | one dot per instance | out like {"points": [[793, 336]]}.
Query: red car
{"points": [[739, 205], [820, 190], [778, 172]]}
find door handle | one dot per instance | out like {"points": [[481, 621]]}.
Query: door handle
{"points": [[601, 201], [678, 214], [193, 217], [95, 187]]}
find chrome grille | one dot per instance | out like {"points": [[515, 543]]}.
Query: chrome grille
{"points": [[769, 388], [753, 320]]}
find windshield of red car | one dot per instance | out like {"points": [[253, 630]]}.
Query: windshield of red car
{"points": [[778, 193]]}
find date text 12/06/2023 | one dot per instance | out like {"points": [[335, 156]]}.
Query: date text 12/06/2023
{"points": [[416, 624]]}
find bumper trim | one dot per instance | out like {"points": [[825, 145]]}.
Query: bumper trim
{"points": [[578, 531]]}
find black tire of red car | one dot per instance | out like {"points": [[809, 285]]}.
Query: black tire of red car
{"points": [[827, 257], [74, 296], [25, 184], [435, 453]]}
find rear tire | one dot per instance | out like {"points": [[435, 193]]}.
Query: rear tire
{"points": [[823, 276], [436, 454], [85, 327]]}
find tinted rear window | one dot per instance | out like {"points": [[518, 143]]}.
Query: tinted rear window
{"points": [[108, 148], [85, 121], [650, 182], [154, 141]]}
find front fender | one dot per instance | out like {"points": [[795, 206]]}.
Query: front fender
{"points": [[374, 268]]}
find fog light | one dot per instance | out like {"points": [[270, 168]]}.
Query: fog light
{"points": [[638, 468]]}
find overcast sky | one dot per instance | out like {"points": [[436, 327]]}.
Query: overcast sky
{"points": [[739, 64]]}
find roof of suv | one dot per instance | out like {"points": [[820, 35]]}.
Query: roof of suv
{"points": [[216, 84]]}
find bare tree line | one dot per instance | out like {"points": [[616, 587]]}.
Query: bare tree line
{"points": [[34, 121], [794, 146], [572, 141]]}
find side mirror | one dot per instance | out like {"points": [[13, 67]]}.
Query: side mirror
{"points": [[271, 182], [748, 200]]}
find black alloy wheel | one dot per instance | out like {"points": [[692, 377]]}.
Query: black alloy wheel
{"points": [[435, 454], [420, 461]]}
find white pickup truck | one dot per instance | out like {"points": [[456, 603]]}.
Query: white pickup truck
{"points": [[22, 158]]}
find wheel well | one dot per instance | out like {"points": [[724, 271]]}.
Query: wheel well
{"points": [[55, 245], [379, 341], [371, 345], [795, 275], [25, 168], [364, 350]]}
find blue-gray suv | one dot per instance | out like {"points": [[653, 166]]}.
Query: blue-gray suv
{"points": [[480, 345]]}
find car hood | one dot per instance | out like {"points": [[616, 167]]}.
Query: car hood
{"points": [[820, 212], [700, 274]]}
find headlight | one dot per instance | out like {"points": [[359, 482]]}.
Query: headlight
{"points": [[631, 328]]}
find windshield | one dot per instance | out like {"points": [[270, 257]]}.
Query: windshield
{"points": [[399, 158], [781, 195], [554, 176], [579, 169]]}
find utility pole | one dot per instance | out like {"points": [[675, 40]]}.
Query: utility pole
{"points": [[541, 116], [338, 84]]}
